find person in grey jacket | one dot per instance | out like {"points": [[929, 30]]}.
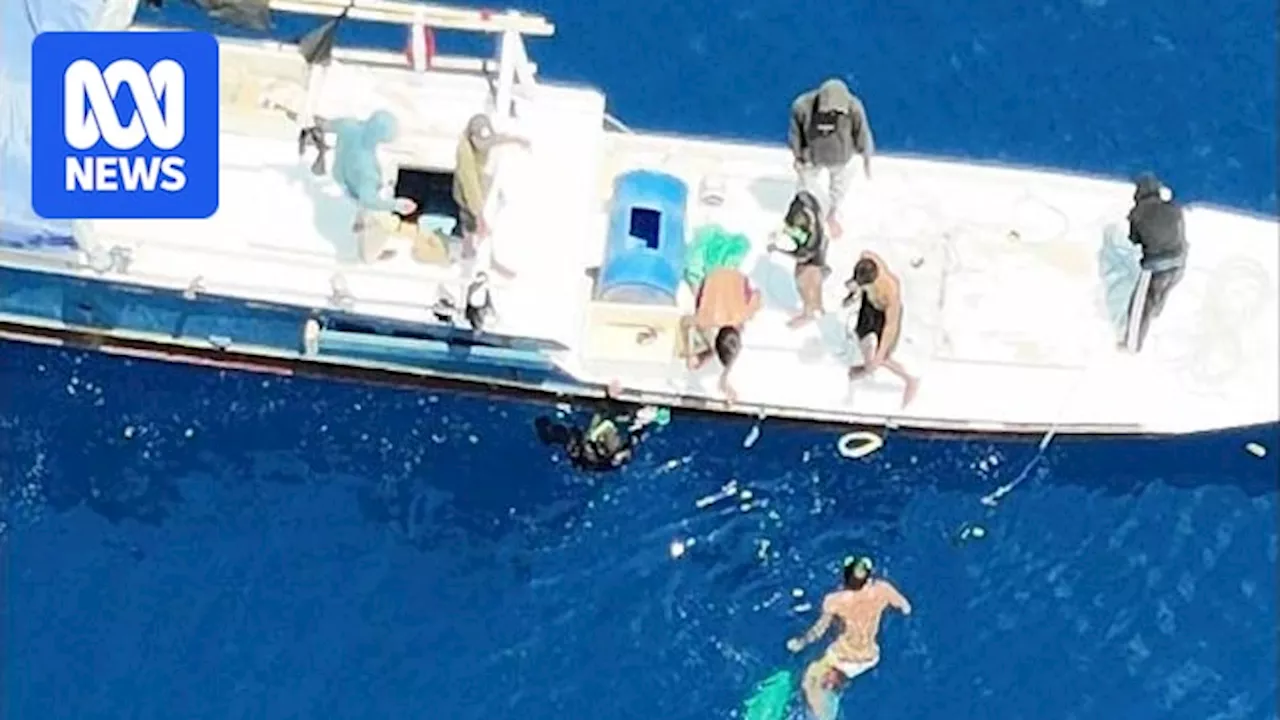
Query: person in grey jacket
{"points": [[829, 126]]}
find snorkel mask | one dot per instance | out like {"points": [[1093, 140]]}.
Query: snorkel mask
{"points": [[798, 235], [659, 416], [799, 226], [861, 565]]}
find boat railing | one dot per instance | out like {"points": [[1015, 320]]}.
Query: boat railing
{"points": [[116, 262], [513, 64], [383, 58], [402, 12]]}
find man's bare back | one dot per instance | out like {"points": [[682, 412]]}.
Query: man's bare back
{"points": [[858, 605], [859, 613]]}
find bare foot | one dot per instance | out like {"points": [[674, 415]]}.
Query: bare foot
{"points": [[730, 395], [614, 388], [909, 394], [799, 320], [836, 228]]}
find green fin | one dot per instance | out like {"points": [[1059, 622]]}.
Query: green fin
{"points": [[770, 699]]}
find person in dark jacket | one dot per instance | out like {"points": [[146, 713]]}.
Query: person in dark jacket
{"points": [[829, 126], [804, 238], [1156, 225]]}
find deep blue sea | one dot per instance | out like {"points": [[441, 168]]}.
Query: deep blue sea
{"points": [[190, 543]]}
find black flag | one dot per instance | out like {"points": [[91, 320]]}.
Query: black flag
{"points": [[317, 46]]}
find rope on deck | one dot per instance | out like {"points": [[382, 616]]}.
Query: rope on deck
{"points": [[1207, 347]]}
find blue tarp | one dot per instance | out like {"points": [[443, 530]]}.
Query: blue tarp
{"points": [[1118, 264], [20, 22]]}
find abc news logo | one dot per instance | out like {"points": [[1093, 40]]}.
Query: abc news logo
{"points": [[95, 155], [159, 96]]}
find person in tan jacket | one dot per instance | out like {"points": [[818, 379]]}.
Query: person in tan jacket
{"points": [[471, 187]]}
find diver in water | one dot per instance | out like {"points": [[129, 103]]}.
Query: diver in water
{"points": [[608, 441], [859, 606]]}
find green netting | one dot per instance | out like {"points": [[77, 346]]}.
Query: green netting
{"points": [[713, 247]]}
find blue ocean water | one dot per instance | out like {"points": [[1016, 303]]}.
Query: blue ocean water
{"points": [[193, 543], [183, 542]]}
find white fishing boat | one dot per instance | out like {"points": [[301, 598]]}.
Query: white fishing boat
{"points": [[1006, 317]]}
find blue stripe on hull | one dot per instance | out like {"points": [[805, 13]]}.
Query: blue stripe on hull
{"points": [[103, 305], [91, 304]]}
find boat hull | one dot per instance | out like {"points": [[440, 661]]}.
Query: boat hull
{"points": [[111, 317]]}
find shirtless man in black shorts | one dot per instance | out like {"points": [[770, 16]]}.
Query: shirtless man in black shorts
{"points": [[879, 322]]}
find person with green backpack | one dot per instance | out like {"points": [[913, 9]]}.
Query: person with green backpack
{"points": [[804, 238]]}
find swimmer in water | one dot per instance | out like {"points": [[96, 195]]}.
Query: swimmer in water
{"points": [[609, 440], [858, 606]]}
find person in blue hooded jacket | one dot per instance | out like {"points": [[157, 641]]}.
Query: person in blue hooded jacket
{"points": [[358, 173]]}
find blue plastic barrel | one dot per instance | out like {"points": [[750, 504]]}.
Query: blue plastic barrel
{"points": [[644, 255]]}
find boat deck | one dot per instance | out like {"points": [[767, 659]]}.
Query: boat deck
{"points": [[1004, 322]]}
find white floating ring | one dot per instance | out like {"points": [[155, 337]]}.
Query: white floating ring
{"points": [[858, 444]]}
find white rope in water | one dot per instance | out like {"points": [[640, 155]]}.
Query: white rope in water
{"points": [[992, 498]]}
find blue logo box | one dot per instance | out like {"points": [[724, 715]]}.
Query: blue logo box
{"points": [[124, 125]]}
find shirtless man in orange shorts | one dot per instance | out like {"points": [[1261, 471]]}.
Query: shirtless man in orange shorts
{"points": [[858, 605]]}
